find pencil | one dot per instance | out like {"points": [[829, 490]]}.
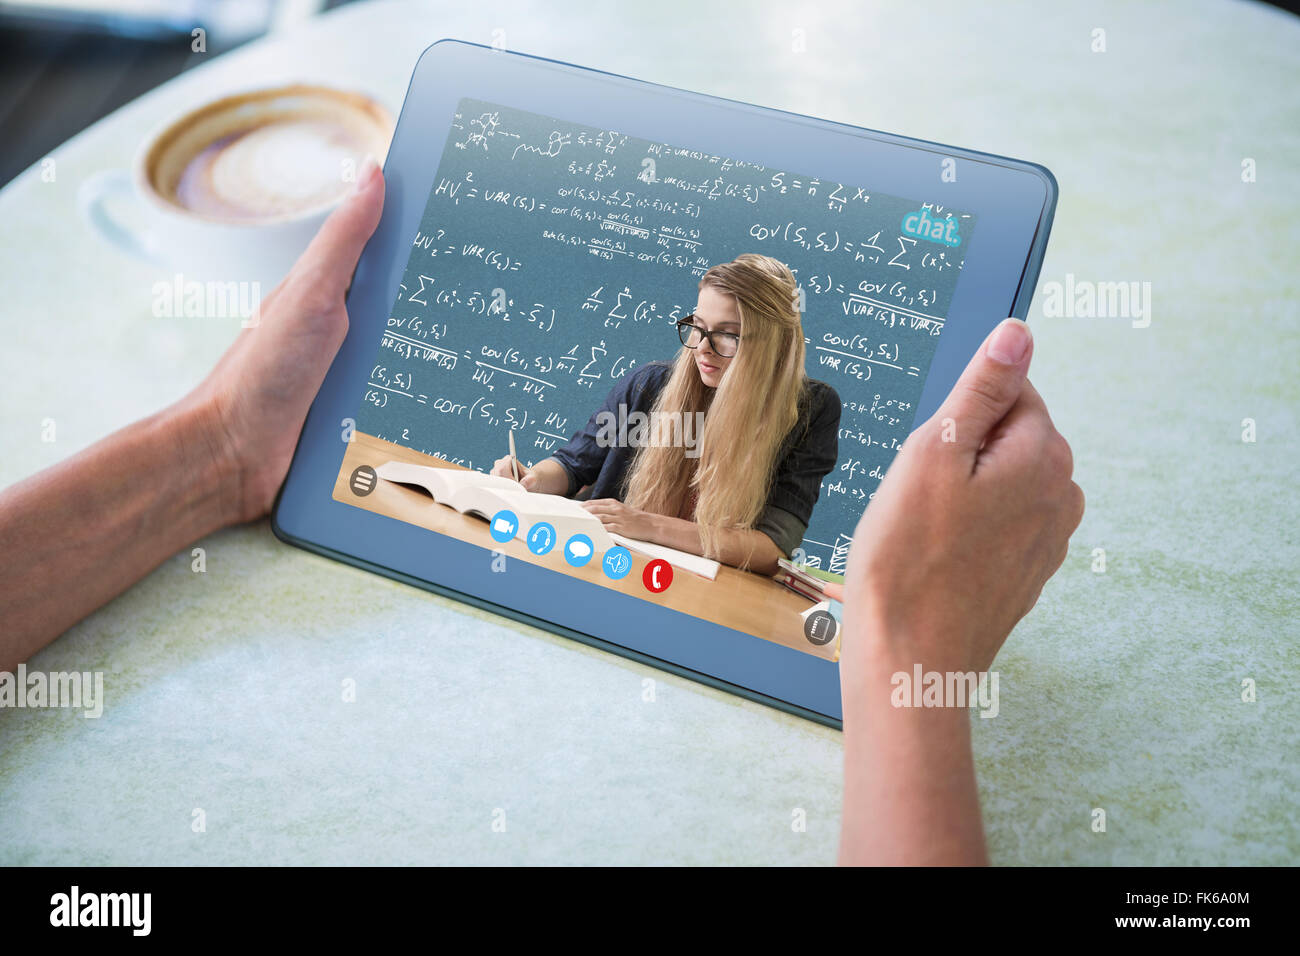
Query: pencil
{"points": [[514, 462]]}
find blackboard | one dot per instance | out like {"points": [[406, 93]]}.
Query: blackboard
{"points": [[552, 258]]}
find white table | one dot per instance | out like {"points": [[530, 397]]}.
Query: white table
{"points": [[1121, 691]]}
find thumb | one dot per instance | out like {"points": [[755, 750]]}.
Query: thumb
{"points": [[527, 482], [332, 256], [989, 387]]}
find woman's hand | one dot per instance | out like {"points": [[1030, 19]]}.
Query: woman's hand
{"points": [[618, 518], [501, 468], [112, 513], [547, 477], [973, 517], [256, 398], [737, 547]]}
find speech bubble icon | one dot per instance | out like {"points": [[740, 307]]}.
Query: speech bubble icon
{"points": [[578, 550]]}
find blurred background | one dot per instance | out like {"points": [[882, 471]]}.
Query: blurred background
{"points": [[66, 63]]}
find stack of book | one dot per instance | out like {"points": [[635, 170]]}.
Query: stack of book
{"points": [[798, 580]]}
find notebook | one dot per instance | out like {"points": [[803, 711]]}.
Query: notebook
{"points": [[474, 493]]}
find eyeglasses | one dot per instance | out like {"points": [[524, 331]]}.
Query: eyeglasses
{"points": [[724, 343]]}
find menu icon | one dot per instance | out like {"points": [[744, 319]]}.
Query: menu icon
{"points": [[363, 480]]}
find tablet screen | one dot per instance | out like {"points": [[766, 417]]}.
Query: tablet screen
{"points": [[552, 298]]}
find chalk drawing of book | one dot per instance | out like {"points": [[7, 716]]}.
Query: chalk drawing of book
{"points": [[840, 553]]}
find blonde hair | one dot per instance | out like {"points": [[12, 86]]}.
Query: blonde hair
{"points": [[749, 414]]}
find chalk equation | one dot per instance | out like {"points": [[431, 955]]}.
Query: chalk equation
{"points": [[553, 258]]}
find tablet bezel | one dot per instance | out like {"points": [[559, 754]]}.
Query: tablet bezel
{"points": [[1013, 201]]}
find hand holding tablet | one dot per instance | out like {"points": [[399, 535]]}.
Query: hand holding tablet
{"points": [[726, 318], [981, 502], [982, 488]]}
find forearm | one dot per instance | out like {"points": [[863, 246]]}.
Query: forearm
{"points": [[549, 478], [735, 547], [910, 796], [76, 535]]}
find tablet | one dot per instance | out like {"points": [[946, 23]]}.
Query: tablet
{"points": [[702, 327]]}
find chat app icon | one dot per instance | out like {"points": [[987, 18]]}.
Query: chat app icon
{"points": [[541, 537], [578, 550], [504, 526], [617, 563]]}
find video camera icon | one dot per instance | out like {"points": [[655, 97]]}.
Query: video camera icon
{"points": [[504, 526]]}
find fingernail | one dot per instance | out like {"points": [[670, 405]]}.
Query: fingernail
{"points": [[1010, 342], [369, 170]]}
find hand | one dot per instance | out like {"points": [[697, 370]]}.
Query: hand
{"points": [[620, 519], [254, 402], [973, 517], [217, 456], [502, 468]]}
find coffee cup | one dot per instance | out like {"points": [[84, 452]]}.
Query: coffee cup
{"points": [[236, 189]]}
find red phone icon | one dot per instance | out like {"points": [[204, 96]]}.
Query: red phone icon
{"points": [[658, 574]]}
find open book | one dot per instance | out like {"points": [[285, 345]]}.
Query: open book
{"points": [[472, 492]]}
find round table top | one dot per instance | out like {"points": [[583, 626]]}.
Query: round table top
{"points": [[1122, 690]]}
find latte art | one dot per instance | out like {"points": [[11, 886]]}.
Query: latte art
{"points": [[267, 156], [278, 169]]}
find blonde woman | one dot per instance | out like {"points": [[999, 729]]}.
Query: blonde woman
{"points": [[741, 488]]}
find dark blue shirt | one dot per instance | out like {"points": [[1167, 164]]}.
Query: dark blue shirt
{"points": [[807, 455]]}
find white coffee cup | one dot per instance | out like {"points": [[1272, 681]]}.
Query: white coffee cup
{"points": [[235, 189]]}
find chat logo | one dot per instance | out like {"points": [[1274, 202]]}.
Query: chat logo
{"points": [[922, 225], [504, 526], [541, 537], [578, 550], [617, 563]]}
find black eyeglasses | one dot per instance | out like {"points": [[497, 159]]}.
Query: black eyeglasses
{"points": [[724, 343]]}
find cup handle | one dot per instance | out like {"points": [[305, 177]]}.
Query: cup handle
{"points": [[92, 197]]}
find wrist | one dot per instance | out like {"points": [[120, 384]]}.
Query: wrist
{"points": [[907, 660], [894, 629], [885, 676], [206, 462], [873, 641], [558, 479]]}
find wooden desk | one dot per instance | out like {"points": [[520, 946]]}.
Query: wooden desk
{"points": [[741, 600]]}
